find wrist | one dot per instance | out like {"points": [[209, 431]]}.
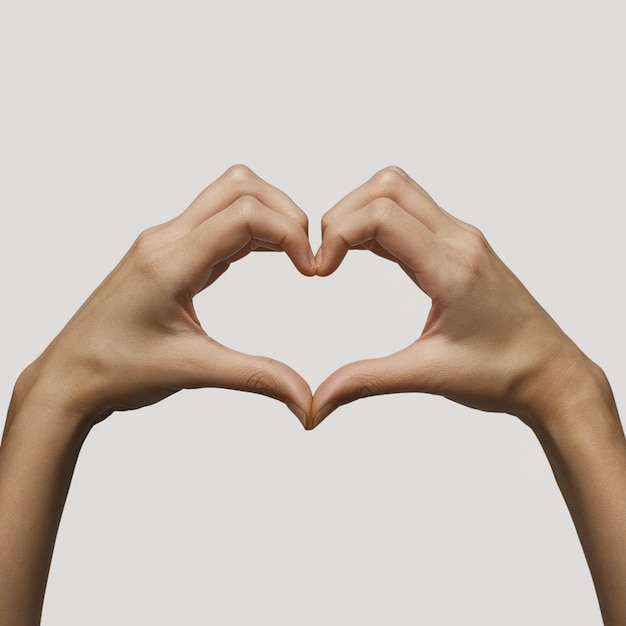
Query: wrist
{"points": [[44, 391], [572, 394], [585, 445]]}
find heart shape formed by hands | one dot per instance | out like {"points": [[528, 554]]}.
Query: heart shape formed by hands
{"points": [[485, 335], [137, 339]]}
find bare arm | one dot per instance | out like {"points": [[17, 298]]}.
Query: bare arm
{"points": [[488, 344], [135, 341], [585, 445], [37, 457]]}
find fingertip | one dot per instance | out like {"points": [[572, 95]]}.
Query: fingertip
{"points": [[306, 263], [312, 264], [303, 261], [319, 257], [322, 265], [350, 382], [309, 269], [323, 413], [299, 412], [318, 263]]}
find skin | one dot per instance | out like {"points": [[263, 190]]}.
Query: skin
{"points": [[135, 341], [486, 343]]}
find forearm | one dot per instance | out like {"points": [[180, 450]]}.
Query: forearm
{"points": [[586, 448], [39, 450]]}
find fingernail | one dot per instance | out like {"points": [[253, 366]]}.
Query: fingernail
{"points": [[297, 411], [324, 412], [318, 258]]}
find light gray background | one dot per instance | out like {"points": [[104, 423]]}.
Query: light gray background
{"points": [[215, 507]]}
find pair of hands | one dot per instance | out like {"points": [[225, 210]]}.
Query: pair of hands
{"points": [[137, 339]]}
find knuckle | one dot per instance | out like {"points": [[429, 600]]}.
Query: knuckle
{"points": [[145, 238], [149, 263], [475, 253], [246, 207], [146, 253], [364, 385], [383, 209], [239, 174], [398, 170], [326, 220], [478, 246], [390, 178], [472, 229], [260, 381], [303, 220], [335, 229], [150, 256]]}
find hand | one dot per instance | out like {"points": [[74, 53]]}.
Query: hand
{"points": [[487, 343], [137, 339]]}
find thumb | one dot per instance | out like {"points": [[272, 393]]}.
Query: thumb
{"points": [[410, 369], [216, 365]]}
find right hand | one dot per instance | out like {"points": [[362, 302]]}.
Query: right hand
{"points": [[487, 343]]}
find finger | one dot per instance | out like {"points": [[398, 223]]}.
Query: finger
{"points": [[378, 250], [225, 234], [238, 181], [405, 238], [409, 370], [221, 267], [421, 190], [394, 183], [207, 363]]}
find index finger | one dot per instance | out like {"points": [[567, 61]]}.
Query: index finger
{"points": [[406, 239], [235, 182], [394, 183], [221, 237]]}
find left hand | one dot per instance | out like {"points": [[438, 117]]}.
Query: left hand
{"points": [[137, 339]]}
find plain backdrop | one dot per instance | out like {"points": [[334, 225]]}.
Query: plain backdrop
{"points": [[216, 507]]}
